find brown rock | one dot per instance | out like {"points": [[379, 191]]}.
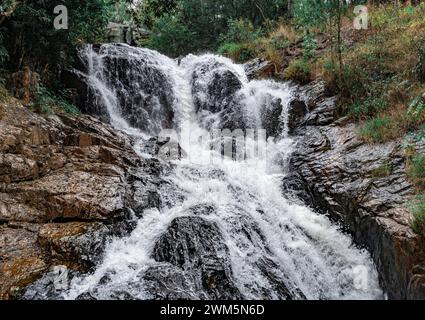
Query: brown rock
{"points": [[85, 140], [21, 260], [66, 185]]}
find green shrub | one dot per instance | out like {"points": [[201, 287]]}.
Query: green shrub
{"points": [[417, 207], [366, 107], [171, 37], [417, 107], [47, 102], [299, 70], [354, 82], [309, 46], [378, 130], [236, 51], [278, 43], [416, 170], [240, 31]]}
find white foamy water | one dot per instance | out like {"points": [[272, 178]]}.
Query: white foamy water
{"points": [[271, 242]]}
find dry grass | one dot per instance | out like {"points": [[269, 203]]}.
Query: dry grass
{"points": [[285, 32]]}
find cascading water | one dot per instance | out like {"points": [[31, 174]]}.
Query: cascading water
{"points": [[226, 230]]}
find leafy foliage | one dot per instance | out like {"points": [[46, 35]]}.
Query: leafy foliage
{"points": [[299, 70], [47, 102], [208, 23], [240, 31], [31, 39], [170, 37], [417, 206], [378, 130], [236, 51]]}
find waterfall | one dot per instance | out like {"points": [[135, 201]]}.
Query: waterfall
{"points": [[226, 230]]}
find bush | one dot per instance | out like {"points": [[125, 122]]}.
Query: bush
{"points": [[237, 52], [378, 130], [171, 37], [366, 107], [417, 207], [309, 46], [240, 31], [417, 107], [47, 102], [30, 35], [416, 170], [299, 70]]}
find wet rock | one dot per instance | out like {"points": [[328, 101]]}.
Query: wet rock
{"points": [[297, 110], [51, 285], [144, 94], [165, 148], [333, 171], [195, 250], [79, 244], [214, 87], [21, 260], [259, 69], [66, 185]]}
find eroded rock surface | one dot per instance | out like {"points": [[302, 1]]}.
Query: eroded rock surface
{"points": [[196, 263], [67, 184], [339, 174]]}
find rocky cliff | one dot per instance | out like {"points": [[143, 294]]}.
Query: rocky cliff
{"points": [[340, 175], [66, 185]]}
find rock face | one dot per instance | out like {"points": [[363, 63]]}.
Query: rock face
{"points": [[66, 185], [214, 86], [259, 68], [133, 85], [24, 84], [192, 249], [338, 174]]}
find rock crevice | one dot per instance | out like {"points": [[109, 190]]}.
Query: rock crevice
{"points": [[335, 172]]}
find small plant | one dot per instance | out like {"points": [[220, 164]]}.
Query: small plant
{"points": [[384, 170], [240, 31], [416, 170], [309, 46], [47, 102], [298, 70], [367, 107], [378, 130], [236, 51], [420, 66], [417, 107], [417, 207], [279, 43]]}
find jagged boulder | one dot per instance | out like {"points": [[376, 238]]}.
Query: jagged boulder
{"points": [[194, 250], [259, 68], [213, 86]]}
